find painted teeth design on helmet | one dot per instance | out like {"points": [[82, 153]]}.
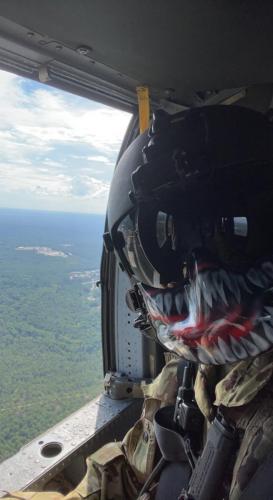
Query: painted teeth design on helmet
{"points": [[206, 291], [214, 327], [235, 290], [152, 306], [216, 353], [265, 318], [168, 303], [270, 311], [267, 267], [259, 341], [255, 278], [210, 284], [242, 283], [218, 285], [268, 330], [203, 356], [193, 356], [251, 348], [209, 318], [179, 302], [189, 354], [226, 350], [159, 302], [197, 291], [226, 280], [237, 348]]}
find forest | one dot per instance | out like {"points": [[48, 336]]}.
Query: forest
{"points": [[50, 357]]}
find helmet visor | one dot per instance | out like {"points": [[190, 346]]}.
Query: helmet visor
{"points": [[227, 225]]}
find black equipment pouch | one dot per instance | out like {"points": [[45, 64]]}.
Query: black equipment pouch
{"points": [[210, 468]]}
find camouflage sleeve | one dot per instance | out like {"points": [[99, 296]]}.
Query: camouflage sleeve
{"points": [[33, 495], [108, 477], [256, 445], [117, 470], [140, 443]]}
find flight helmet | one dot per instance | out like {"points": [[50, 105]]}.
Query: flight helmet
{"points": [[190, 217]]}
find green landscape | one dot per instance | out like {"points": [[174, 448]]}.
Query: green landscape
{"points": [[50, 358]]}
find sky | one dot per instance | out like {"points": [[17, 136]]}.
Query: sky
{"points": [[58, 150]]}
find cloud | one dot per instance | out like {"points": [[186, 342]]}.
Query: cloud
{"points": [[56, 145], [79, 187], [89, 187], [100, 159]]}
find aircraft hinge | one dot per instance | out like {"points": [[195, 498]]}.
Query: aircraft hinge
{"points": [[118, 386]]}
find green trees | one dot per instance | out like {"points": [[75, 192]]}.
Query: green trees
{"points": [[50, 341]]}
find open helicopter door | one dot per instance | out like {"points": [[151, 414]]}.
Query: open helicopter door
{"points": [[188, 54]]}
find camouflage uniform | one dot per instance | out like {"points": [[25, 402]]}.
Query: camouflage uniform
{"points": [[245, 393], [117, 470]]}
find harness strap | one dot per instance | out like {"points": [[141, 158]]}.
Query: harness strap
{"points": [[170, 442]]}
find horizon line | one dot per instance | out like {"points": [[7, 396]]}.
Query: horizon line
{"points": [[53, 211]]}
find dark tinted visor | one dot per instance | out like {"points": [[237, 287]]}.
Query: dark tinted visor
{"points": [[158, 243]]}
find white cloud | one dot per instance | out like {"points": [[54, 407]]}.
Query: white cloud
{"points": [[89, 187], [49, 118], [100, 159], [42, 132]]}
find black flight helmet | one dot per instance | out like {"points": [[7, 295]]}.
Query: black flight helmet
{"points": [[190, 213]]}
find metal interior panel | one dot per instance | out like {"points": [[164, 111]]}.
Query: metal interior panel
{"points": [[129, 341], [178, 48], [37, 56], [136, 356], [100, 421]]}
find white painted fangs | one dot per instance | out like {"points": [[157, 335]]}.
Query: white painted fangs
{"points": [[268, 330], [226, 351], [260, 341], [267, 267], [203, 356], [238, 349], [216, 354], [251, 348], [179, 302], [254, 278], [168, 303]]}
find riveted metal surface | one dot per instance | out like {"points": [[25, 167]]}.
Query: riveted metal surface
{"points": [[100, 421], [129, 341]]}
